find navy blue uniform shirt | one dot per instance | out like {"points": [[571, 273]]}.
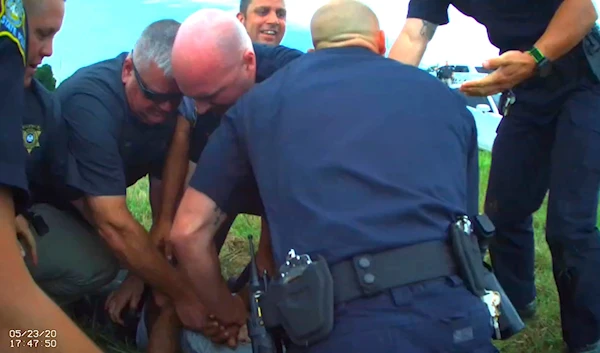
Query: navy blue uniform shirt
{"points": [[245, 199], [511, 24], [342, 146], [13, 54], [110, 148], [45, 139]]}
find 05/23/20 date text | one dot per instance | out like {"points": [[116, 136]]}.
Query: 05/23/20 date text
{"points": [[31, 338]]}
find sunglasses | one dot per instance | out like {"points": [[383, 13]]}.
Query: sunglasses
{"points": [[156, 97]]}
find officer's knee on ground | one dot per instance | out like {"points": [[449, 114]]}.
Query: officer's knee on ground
{"points": [[72, 258]]}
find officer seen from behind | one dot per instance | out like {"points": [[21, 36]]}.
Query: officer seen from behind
{"points": [[17, 289], [330, 192], [549, 139]]}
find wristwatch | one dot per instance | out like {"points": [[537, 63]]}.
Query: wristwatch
{"points": [[543, 65]]}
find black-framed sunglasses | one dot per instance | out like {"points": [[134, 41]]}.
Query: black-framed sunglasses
{"points": [[156, 97]]}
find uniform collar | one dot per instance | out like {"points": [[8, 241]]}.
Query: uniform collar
{"points": [[346, 50]]}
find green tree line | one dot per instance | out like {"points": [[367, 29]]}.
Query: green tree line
{"points": [[45, 76]]}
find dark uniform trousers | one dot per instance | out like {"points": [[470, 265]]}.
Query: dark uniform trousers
{"points": [[437, 316], [550, 140]]}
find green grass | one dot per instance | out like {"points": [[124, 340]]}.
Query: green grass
{"points": [[541, 335]]}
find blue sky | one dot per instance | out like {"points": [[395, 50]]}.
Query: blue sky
{"points": [[95, 30]]}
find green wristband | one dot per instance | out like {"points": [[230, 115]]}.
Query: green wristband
{"points": [[537, 55]]}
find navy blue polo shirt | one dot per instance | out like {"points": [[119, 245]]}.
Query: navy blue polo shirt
{"points": [[110, 149], [511, 24], [45, 139], [12, 154], [368, 165]]}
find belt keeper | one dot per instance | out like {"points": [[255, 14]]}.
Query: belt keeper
{"points": [[363, 266]]}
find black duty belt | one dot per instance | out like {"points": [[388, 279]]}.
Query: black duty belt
{"points": [[369, 274]]}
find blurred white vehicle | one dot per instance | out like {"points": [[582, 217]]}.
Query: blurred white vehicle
{"points": [[487, 117], [464, 73]]}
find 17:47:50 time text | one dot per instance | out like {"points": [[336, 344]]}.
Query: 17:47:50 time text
{"points": [[33, 343]]}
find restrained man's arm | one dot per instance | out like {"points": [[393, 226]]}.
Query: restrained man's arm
{"points": [[174, 172], [412, 42], [23, 304], [570, 24]]}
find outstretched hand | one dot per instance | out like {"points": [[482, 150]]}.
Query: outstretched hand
{"points": [[511, 68], [127, 296]]}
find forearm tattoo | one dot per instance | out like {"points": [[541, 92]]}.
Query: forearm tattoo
{"points": [[428, 29]]}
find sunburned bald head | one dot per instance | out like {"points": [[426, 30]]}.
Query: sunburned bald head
{"points": [[345, 23], [212, 52]]}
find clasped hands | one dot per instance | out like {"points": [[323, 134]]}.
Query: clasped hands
{"points": [[510, 69], [229, 331]]}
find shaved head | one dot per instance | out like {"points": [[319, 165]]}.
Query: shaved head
{"points": [[209, 47], [342, 23]]}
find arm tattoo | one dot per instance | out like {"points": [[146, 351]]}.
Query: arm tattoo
{"points": [[428, 29], [218, 216]]}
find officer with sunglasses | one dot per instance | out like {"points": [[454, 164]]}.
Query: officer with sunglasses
{"points": [[549, 139], [121, 115]]}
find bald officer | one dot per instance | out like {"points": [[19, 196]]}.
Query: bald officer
{"points": [[323, 174]]}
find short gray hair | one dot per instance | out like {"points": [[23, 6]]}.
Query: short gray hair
{"points": [[155, 46]]}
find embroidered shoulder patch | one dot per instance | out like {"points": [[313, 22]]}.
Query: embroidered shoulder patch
{"points": [[13, 24]]}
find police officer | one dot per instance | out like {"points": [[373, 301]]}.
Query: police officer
{"points": [[62, 267], [264, 20], [549, 139], [120, 115], [22, 304], [194, 131], [318, 136]]}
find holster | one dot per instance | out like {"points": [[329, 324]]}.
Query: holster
{"points": [[509, 320], [468, 258], [303, 307]]}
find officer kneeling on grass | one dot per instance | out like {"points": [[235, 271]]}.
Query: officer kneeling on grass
{"points": [[319, 136]]}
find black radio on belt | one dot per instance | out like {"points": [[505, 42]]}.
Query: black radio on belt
{"points": [[262, 340]]}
